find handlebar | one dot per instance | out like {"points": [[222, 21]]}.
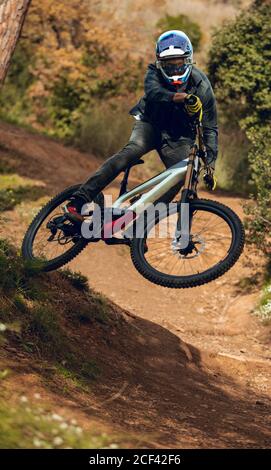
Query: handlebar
{"points": [[191, 100]]}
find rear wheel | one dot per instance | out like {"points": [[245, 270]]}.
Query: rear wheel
{"points": [[216, 242], [51, 240]]}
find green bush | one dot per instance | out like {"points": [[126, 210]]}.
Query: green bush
{"points": [[183, 23], [264, 310], [232, 170], [240, 69]]}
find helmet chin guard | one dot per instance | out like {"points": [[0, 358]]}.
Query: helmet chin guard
{"points": [[177, 80]]}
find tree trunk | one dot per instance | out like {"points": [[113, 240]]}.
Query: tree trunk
{"points": [[12, 15]]}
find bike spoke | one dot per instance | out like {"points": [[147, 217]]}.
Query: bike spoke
{"points": [[212, 227]]}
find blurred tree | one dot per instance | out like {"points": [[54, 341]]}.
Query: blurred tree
{"points": [[12, 15], [240, 69], [65, 64], [183, 23]]}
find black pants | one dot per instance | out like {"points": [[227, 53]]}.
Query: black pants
{"points": [[144, 138]]}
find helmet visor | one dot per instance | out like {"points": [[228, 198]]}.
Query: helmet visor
{"points": [[171, 69]]}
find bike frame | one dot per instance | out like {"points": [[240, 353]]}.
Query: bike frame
{"points": [[165, 180], [158, 186]]}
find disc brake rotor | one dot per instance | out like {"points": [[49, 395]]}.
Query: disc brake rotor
{"points": [[194, 248]]}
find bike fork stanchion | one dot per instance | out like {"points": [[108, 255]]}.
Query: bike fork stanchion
{"points": [[182, 234]]}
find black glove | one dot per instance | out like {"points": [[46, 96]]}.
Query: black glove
{"points": [[193, 106], [209, 178], [210, 161]]}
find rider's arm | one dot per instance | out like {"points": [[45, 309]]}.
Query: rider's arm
{"points": [[209, 122], [154, 90]]}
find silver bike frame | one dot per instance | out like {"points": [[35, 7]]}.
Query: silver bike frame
{"points": [[160, 184]]}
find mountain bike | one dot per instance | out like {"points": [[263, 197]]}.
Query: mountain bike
{"points": [[214, 236]]}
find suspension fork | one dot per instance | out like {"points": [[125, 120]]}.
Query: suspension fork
{"points": [[182, 234], [184, 222]]}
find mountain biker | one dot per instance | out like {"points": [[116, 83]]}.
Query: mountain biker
{"points": [[163, 118]]}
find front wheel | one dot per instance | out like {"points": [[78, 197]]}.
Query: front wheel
{"points": [[216, 241]]}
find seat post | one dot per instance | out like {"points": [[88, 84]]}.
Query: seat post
{"points": [[123, 184]]}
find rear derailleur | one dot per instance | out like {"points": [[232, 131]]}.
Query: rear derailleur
{"points": [[62, 230]]}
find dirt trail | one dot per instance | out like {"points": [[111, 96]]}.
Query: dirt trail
{"points": [[222, 388], [215, 317]]}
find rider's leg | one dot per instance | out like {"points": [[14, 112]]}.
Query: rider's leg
{"points": [[144, 138], [171, 152]]}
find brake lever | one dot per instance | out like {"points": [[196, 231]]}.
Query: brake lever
{"points": [[209, 179]]}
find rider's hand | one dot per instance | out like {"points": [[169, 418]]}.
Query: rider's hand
{"points": [[209, 178], [193, 106], [179, 97]]}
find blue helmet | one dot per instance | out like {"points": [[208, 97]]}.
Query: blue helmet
{"points": [[174, 45]]}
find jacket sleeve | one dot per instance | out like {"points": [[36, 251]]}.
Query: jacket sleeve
{"points": [[210, 128], [154, 90]]}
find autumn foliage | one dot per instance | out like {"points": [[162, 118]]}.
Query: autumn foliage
{"points": [[64, 64]]}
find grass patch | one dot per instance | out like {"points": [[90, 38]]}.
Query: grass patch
{"points": [[23, 291], [10, 268], [9, 198], [100, 307], [18, 277], [32, 288], [43, 329], [20, 304], [264, 310], [71, 377], [96, 309], [14, 181], [43, 333], [28, 426], [78, 280], [14, 189]]}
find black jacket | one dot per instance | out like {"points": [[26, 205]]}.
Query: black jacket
{"points": [[158, 108]]}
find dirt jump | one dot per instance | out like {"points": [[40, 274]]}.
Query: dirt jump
{"points": [[181, 368]]}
